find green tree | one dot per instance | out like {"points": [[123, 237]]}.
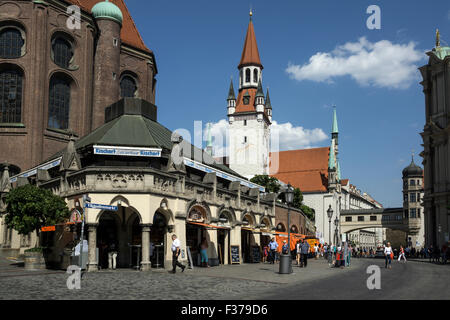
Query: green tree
{"points": [[30, 208], [270, 183]]}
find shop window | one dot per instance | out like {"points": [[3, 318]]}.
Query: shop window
{"points": [[11, 82], [59, 103]]}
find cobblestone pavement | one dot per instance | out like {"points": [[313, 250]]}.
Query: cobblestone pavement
{"points": [[237, 282]]}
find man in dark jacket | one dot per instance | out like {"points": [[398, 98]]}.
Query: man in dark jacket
{"points": [[304, 251]]}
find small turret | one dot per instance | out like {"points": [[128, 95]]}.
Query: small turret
{"points": [[268, 106], [259, 98], [231, 100]]}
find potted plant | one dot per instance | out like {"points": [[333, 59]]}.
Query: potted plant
{"points": [[30, 208]]}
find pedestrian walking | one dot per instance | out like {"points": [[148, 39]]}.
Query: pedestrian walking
{"points": [[316, 251], [204, 253], [265, 253], [176, 250], [305, 251], [273, 246], [388, 253], [401, 254], [349, 255], [112, 256], [298, 250]]}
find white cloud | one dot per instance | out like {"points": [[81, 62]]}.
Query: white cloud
{"points": [[284, 136], [381, 64]]}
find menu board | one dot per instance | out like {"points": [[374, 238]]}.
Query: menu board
{"points": [[256, 254], [235, 259]]}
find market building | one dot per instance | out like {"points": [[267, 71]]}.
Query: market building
{"points": [[152, 184]]}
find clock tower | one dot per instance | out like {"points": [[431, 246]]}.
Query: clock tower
{"points": [[250, 115]]}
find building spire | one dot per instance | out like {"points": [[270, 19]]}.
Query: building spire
{"points": [[438, 38], [335, 129], [250, 53], [268, 103], [231, 95], [331, 158], [259, 91]]}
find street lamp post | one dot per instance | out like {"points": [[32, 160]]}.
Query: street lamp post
{"points": [[330, 216], [336, 223], [286, 260]]}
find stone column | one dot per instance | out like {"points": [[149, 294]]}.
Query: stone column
{"points": [[92, 265], [145, 263]]}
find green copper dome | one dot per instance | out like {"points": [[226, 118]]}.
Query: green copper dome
{"points": [[107, 10]]}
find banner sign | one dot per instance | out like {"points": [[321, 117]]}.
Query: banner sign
{"points": [[48, 229], [127, 152], [101, 207], [221, 174], [33, 171]]}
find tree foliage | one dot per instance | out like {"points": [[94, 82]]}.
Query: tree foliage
{"points": [[30, 208], [272, 185]]}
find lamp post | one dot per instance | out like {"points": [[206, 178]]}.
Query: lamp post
{"points": [[330, 216], [336, 223], [286, 260]]}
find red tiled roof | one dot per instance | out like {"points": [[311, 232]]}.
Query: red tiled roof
{"points": [[250, 53], [305, 169], [240, 106], [129, 33]]}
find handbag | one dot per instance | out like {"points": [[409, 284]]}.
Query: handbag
{"points": [[392, 255]]}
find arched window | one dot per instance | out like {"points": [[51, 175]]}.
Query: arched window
{"points": [[255, 75], [281, 227], [128, 87], [247, 75], [10, 96], [241, 77], [62, 52], [59, 103], [11, 43]]}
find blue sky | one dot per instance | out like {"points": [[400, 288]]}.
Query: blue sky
{"points": [[198, 45]]}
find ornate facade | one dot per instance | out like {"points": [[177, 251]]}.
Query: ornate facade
{"points": [[436, 154]]}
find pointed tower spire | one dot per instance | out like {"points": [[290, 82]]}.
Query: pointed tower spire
{"points": [[335, 128], [438, 38], [231, 95], [250, 53], [268, 103], [259, 91]]}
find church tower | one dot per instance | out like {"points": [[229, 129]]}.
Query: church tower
{"points": [[334, 171], [250, 115]]}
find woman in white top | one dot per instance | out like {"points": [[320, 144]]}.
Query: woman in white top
{"points": [[299, 248], [316, 251], [401, 254], [387, 254]]}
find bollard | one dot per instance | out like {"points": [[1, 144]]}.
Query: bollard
{"points": [[285, 264]]}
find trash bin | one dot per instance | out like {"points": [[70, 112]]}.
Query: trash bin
{"points": [[285, 264]]}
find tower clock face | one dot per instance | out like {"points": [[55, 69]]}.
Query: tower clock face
{"points": [[246, 100]]}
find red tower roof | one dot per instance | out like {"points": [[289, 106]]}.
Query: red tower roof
{"points": [[250, 54]]}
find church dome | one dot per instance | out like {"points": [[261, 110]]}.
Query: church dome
{"points": [[107, 10], [412, 170]]}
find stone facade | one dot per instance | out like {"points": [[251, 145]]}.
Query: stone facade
{"points": [[94, 73], [436, 154]]}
